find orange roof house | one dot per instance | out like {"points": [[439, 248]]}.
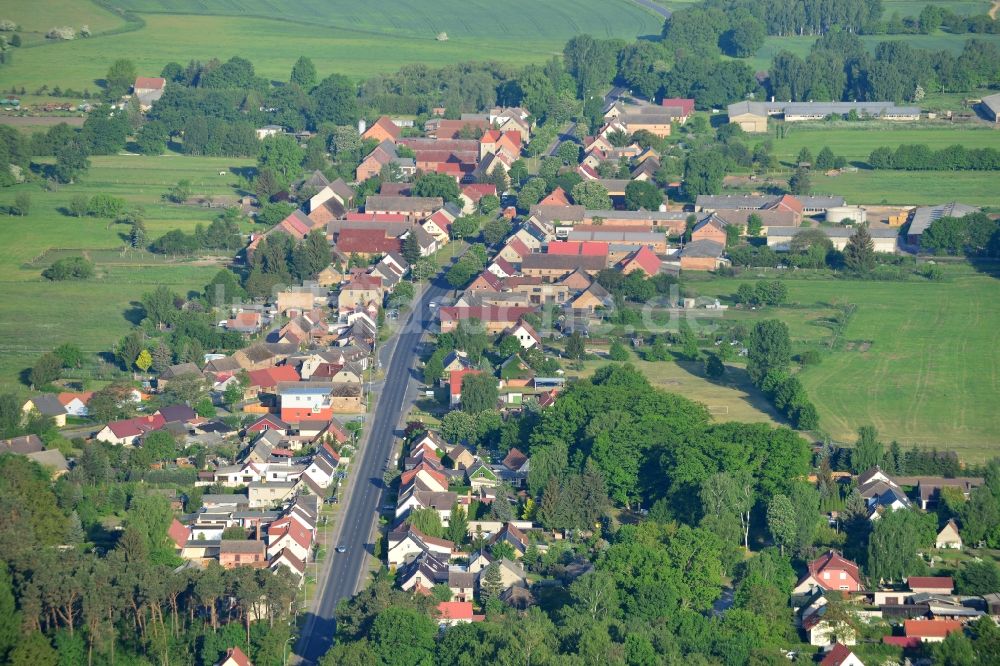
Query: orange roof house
{"points": [[831, 571], [931, 631], [555, 198], [381, 130], [644, 260]]}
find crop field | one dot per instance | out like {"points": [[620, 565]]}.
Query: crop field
{"points": [[913, 7], [36, 315], [918, 359], [855, 141], [912, 187], [357, 39]]}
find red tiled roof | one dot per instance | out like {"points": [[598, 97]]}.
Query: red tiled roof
{"points": [[905, 642], [289, 557], [833, 561], [269, 377], [409, 475], [455, 610], [477, 191], [367, 241], [514, 459], [292, 528], [386, 124], [455, 379], [583, 248], [556, 198], [151, 82], [485, 313], [268, 422], [788, 202], [492, 280], [375, 217], [518, 246], [504, 265], [236, 655], [686, 105], [930, 628], [837, 655], [933, 582], [66, 398], [136, 426], [363, 281], [178, 533], [490, 136], [646, 259]]}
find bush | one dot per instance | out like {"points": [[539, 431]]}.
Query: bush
{"points": [[105, 205], [70, 268], [810, 357]]}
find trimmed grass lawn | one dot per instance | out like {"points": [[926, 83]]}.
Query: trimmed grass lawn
{"points": [[978, 188], [733, 398], [340, 36], [914, 7], [37, 315], [918, 360]]}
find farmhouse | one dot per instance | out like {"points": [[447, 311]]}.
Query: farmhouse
{"points": [[551, 267], [414, 209], [883, 237], [702, 255], [148, 89], [991, 107], [924, 216]]}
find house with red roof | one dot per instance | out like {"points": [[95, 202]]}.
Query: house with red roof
{"points": [[406, 543], [679, 107], [235, 657], [931, 584], [266, 380], [789, 203], [129, 431], [455, 378], [830, 571], [525, 334], [501, 268], [450, 613], [178, 533], [367, 243], [841, 655], [268, 422], [290, 534], [381, 130], [438, 225], [514, 251], [297, 225], [148, 89], [556, 197], [579, 248], [473, 192], [643, 259], [75, 404], [495, 318], [486, 281], [930, 631]]}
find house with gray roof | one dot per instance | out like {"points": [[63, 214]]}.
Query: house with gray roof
{"points": [[884, 237]]}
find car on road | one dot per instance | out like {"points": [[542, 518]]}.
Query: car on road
{"points": [[432, 304], [341, 549]]}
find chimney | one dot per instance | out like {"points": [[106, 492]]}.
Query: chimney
{"points": [[258, 529], [362, 126]]}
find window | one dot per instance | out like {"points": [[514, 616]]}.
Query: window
{"points": [[826, 575], [843, 576]]}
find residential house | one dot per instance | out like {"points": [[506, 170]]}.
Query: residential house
{"points": [[128, 431], [51, 459], [481, 475], [406, 543], [501, 268], [680, 108], [148, 89], [943, 585], [47, 404], [455, 378], [235, 657], [305, 401], [948, 537], [473, 192], [525, 334], [929, 488], [494, 319], [702, 255], [360, 291], [297, 225], [514, 251], [413, 497], [75, 404], [439, 224], [366, 243], [267, 380], [414, 209], [552, 267], [931, 631], [880, 492], [268, 422], [381, 130], [591, 299], [423, 573], [514, 536], [462, 584], [450, 613], [461, 457], [289, 534], [241, 553], [246, 322], [841, 655], [830, 571], [643, 259]]}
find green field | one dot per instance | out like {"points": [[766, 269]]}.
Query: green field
{"points": [[912, 187], [36, 315], [800, 45], [733, 398], [855, 141], [340, 36], [913, 7], [918, 359]]}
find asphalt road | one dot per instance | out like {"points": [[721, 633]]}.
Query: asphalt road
{"points": [[662, 11], [345, 572]]}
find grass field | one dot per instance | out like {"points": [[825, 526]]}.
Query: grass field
{"points": [[855, 141], [733, 398], [940, 41], [36, 315], [913, 7], [340, 36], [930, 373], [912, 187]]}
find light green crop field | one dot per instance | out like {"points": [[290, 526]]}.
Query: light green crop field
{"points": [[918, 360], [914, 7], [357, 39], [912, 187], [37, 315], [855, 141]]}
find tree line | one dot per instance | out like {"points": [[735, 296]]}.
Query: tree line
{"points": [[920, 157]]}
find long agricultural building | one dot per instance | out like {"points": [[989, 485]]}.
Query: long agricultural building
{"points": [[752, 116]]}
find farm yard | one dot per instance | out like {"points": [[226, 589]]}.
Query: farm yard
{"points": [[341, 37], [37, 315], [917, 359]]}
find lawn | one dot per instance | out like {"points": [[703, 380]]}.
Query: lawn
{"points": [[918, 359], [855, 141], [36, 315], [913, 7], [733, 398], [340, 36], [912, 187]]}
